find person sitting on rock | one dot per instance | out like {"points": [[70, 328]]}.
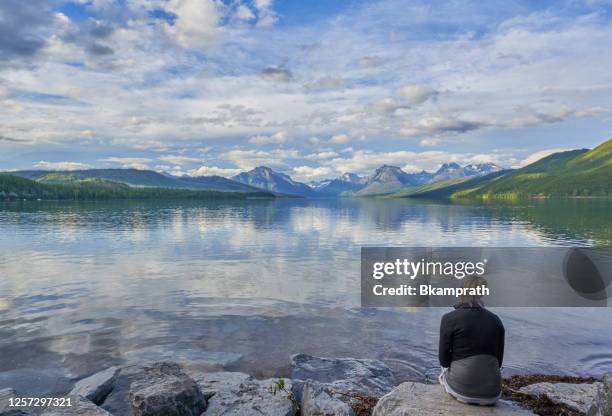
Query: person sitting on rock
{"points": [[471, 350]]}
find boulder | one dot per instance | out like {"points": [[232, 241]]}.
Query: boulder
{"points": [[79, 406], [417, 399], [238, 394], [154, 390], [602, 403], [575, 396], [97, 386], [164, 389], [319, 401], [346, 375]]}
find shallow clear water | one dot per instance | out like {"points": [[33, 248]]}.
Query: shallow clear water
{"points": [[242, 286]]}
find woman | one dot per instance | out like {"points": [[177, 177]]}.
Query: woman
{"points": [[472, 350]]}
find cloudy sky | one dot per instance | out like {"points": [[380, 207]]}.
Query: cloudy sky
{"points": [[312, 88]]}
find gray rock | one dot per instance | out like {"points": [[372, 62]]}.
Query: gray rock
{"points": [[344, 375], [219, 383], [576, 396], [239, 394], [163, 389], [602, 404], [97, 386], [417, 399], [79, 406], [152, 390], [318, 401]]}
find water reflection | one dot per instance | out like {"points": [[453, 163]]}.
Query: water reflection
{"points": [[244, 285]]}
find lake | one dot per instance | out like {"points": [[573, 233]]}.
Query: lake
{"points": [[243, 285]]}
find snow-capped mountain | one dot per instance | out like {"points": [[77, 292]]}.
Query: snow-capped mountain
{"points": [[455, 171], [353, 178], [391, 178], [347, 182], [385, 179], [265, 178]]}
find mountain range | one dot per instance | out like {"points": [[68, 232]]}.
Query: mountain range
{"points": [[388, 179], [138, 178], [385, 179], [574, 173]]}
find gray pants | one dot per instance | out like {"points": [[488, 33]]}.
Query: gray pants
{"points": [[475, 380]]}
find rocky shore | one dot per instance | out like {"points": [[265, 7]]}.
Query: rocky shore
{"points": [[315, 387]]}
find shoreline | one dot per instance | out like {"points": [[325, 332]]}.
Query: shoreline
{"points": [[314, 386]]}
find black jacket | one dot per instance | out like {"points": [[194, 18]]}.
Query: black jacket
{"points": [[470, 330]]}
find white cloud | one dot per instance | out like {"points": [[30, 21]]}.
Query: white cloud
{"points": [[430, 141], [61, 165], [326, 82], [276, 138], [140, 163], [384, 106], [552, 115], [266, 19], [196, 24], [249, 159], [266, 16], [440, 124], [356, 73], [213, 171], [321, 155], [263, 4], [340, 139], [244, 13], [179, 160], [415, 94], [307, 173]]}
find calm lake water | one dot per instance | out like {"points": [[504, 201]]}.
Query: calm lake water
{"points": [[243, 285]]}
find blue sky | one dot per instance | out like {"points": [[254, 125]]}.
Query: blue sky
{"points": [[310, 88]]}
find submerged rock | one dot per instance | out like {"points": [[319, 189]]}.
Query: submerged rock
{"points": [[602, 403], [417, 399], [97, 386], [575, 396], [368, 377], [337, 383], [239, 394]]}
